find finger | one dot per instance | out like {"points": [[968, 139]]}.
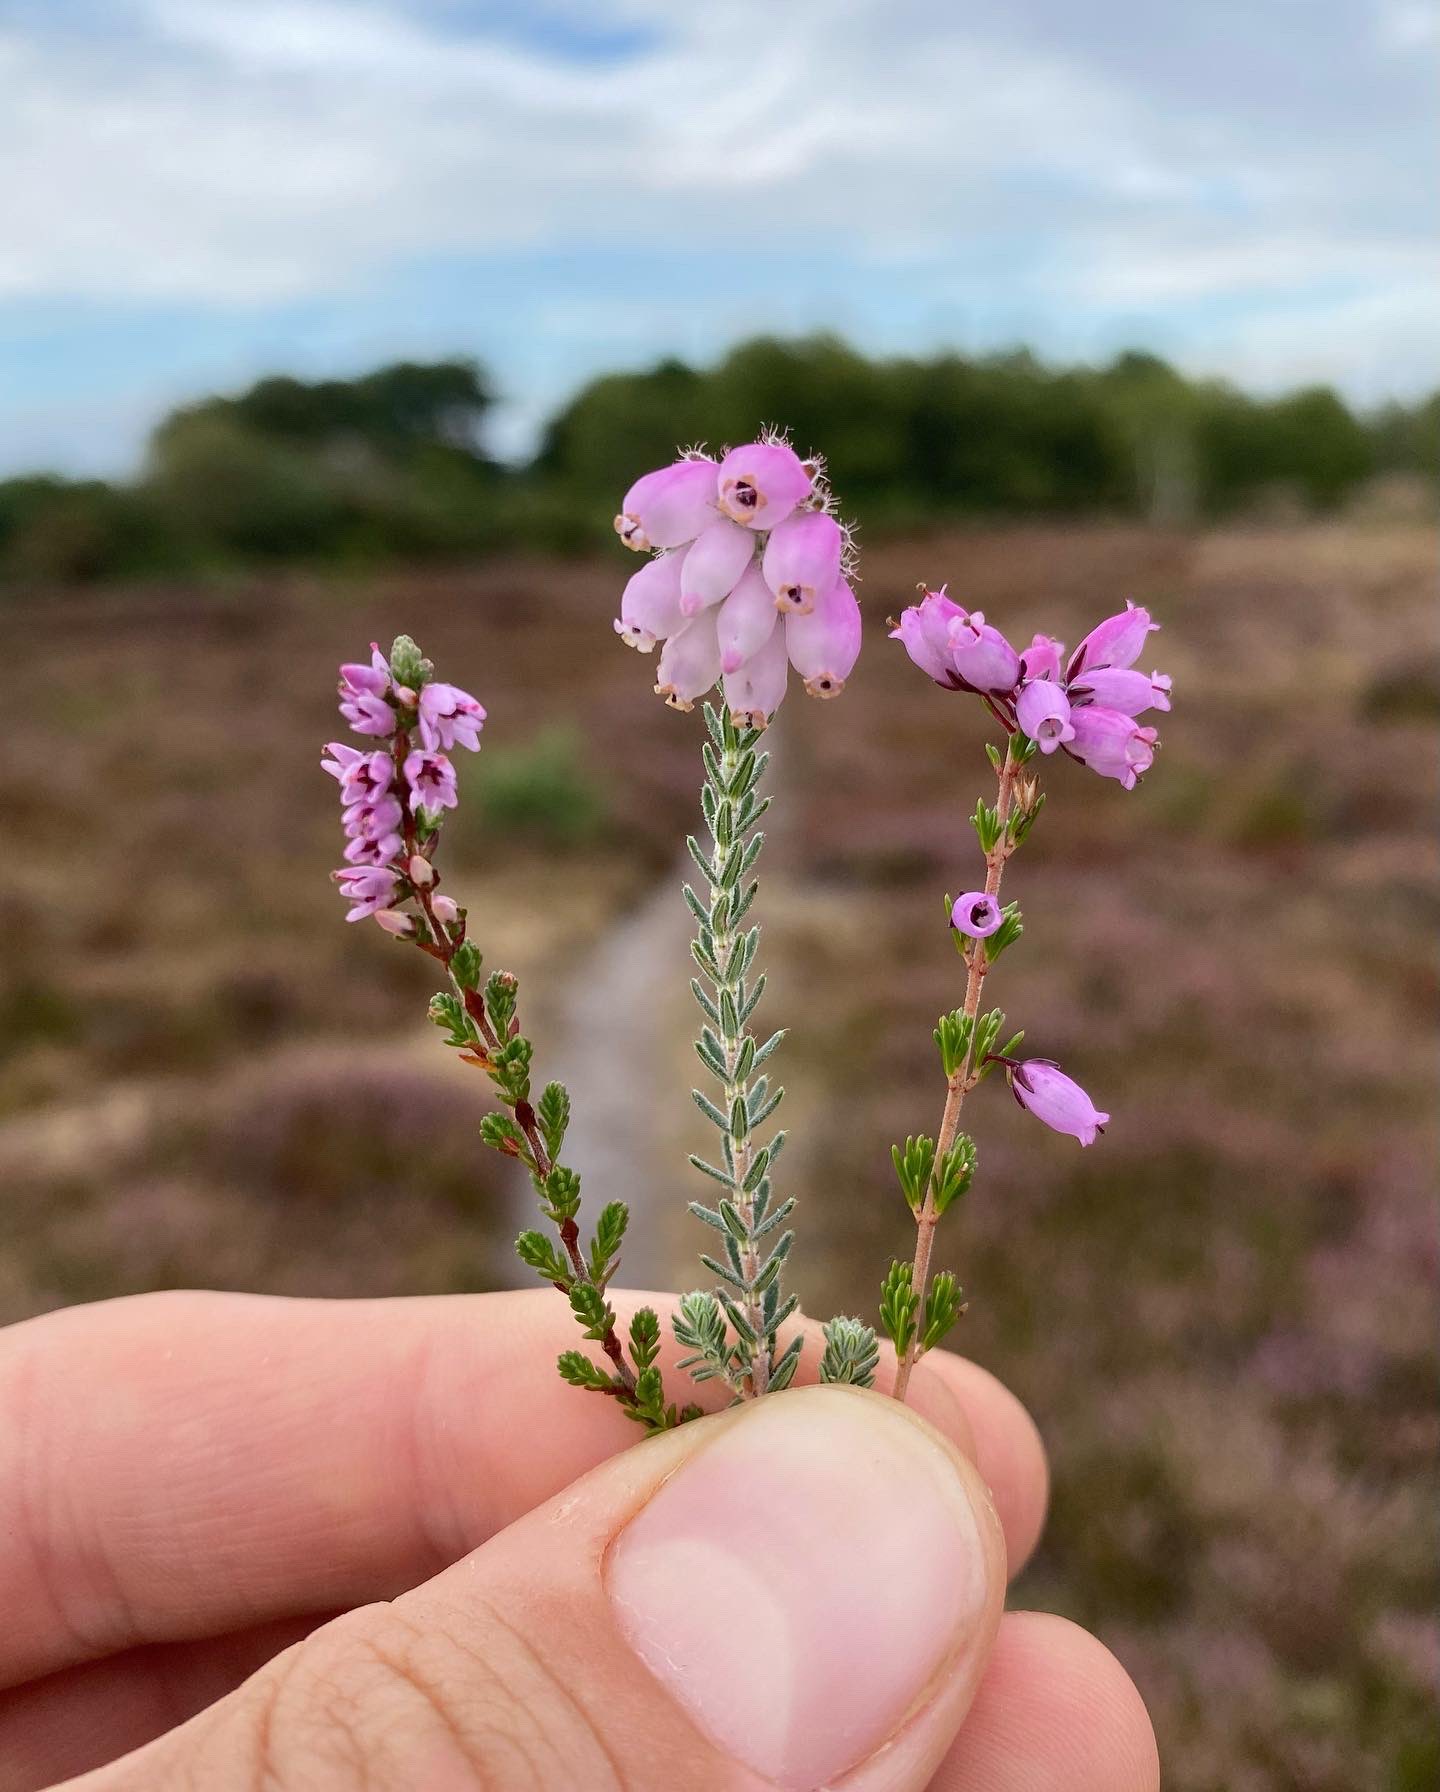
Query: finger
{"points": [[797, 1593], [1055, 1712], [252, 1459]]}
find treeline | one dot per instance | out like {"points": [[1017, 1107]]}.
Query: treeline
{"points": [[392, 466]]}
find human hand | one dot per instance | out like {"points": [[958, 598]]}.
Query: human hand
{"points": [[192, 1486]]}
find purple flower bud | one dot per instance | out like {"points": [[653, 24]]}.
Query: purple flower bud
{"points": [[745, 621], [976, 913], [924, 632], [1132, 693], [1041, 659], [650, 608], [757, 689], [761, 483], [824, 643], [1044, 1090], [689, 662], [431, 778], [369, 887], [372, 680], [713, 565], [1114, 642], [981, 654], [450, 717], [1114, 745], [1044, 714], [669, 506], [802, 559]]}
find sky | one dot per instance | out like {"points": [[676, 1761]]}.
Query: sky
{"points": [[196, 192]]}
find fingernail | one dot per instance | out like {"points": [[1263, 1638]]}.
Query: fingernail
{"points": [[799, 1583]]}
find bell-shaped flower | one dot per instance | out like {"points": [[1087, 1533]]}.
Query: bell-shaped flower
{"points": [[363, 776], [982, 656], [669, 506], [1042, 658], [802, 559], [1113, 687], [1116, 641], [1044, 714], [431, 778], [976, 913], [924, 632], [713, 564], [372, 680], [761, 483], [689, 662], [1112, 744], [824, 643], [1044, 1090], [650, 607], [450, 717], [369, 888], [757, 689], [746, 620]]}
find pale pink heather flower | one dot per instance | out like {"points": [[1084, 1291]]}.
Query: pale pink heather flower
{"points": [[420, 871], [1044, 1090], [369, 887], [802, 559], [400, 925], [445, 908], [1132, 693], [761, 483], [650, 608], [371, 818], [713, 565], [689, 662], [431, 778], [745, 621], [1114, 642], [976, 913], [1114, 745], [669, 506], [924, 632], [1044, 714], [450, 717], [363, 776], [373, 679], [1041, 659], [982, 656], [824, 643], [757, 689], [366, 713]]}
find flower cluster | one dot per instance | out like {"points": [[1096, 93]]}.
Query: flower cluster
{"points": [[748, 579], [1086, 706], [392, 797]]}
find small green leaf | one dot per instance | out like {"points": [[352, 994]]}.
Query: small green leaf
{"points": [[576, 1368], [851, 1353]]}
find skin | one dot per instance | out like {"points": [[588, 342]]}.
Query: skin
{"points": [[338, 1520]]}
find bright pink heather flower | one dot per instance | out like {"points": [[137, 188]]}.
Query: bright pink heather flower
{"points": [[924, 632], [450, 717], [369, 887], [1112, 744], [431, 778], [824, 643], [1044, 714], [650, 609], [981, 654], [365, 710], [689, 662], [1044, 1090], [757, 689], [363, 776], [761, 483], [1132, 693], [713, 565], [1041, 659], [1114, 642], [976, 913], [373, 679], [745, 621], [669, 506], [802, 559]]}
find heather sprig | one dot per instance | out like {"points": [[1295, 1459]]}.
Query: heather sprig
{"points": [[394, 803], [1085, 707]]}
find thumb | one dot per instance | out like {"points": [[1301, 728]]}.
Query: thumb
{"points": [[800, 1592]]}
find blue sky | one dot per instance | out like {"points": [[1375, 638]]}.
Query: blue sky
{"points": [[193, 192]]}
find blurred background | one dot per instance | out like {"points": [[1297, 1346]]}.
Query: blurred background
{"points": [[323, 320]]}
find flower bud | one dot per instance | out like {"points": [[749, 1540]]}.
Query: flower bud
{"points": [[650, 607], [982, 656], [757, 689], [1114, 642], [669, 506], [1114, 688], [394, 922], [1043, 1089], [745, 621], [802, 559], [689, 662], [824, 643], [760, 484], [1041, 659], [445, 909], [713, 564], [924, 632], [1044, 714], [1114, 745], [421, 872], [977, 914]]}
